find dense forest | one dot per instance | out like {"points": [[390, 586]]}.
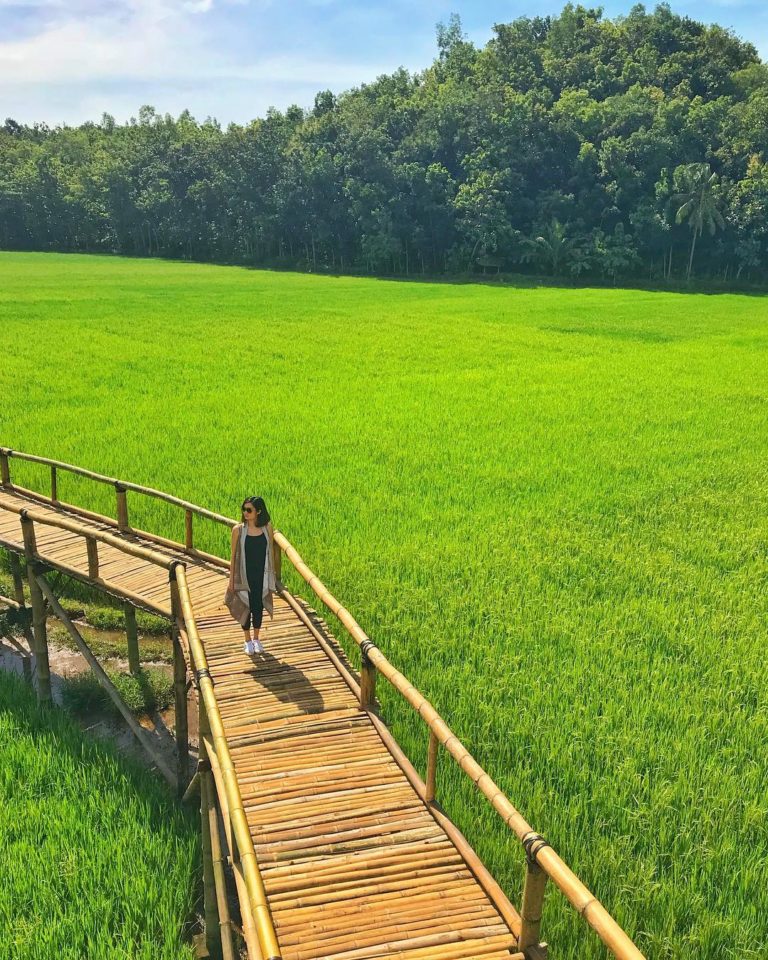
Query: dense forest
{"points": [[573, 145]]}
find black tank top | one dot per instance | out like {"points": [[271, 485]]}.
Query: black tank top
{"points": [[255, 557]]}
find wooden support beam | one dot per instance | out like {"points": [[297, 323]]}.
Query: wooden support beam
{"points": [[132, 636], [137, 729]]}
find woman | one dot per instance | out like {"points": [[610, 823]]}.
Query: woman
{"points": [[252, 572]]}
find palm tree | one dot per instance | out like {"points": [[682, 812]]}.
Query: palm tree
{"points": [[699, 202], [554, 246]]}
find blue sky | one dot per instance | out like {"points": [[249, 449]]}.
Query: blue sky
{"points": [[71, 60]]}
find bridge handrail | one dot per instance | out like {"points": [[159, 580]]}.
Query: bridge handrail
{"points": [[234, 801], [537, 849]]}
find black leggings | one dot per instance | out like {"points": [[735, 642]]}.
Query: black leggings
{"points": [[257, 609]]}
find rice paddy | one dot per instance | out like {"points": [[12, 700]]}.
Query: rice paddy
{"points": [[546, 506], [97, 859]]}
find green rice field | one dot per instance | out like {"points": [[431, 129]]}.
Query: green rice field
{"points": [[97, 859], [548, 507]]}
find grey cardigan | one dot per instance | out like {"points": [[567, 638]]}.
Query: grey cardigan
{"points": [[238, 601]]}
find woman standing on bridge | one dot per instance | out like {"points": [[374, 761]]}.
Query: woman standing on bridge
{"points": [[252, 572]]}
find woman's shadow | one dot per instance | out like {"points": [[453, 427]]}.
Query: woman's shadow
{"points": [[285, 682]]}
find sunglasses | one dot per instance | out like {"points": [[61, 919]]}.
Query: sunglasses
{"points": [[247, 509]]}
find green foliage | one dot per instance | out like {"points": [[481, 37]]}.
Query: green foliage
{"points": [[545, 505], [97, 859], [575, 118], [149, 690]]}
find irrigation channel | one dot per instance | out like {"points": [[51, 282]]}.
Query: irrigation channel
{"points": [[310, 811]]}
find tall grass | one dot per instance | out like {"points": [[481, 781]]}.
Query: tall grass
{"points": [[97, 859], [546, 506]]}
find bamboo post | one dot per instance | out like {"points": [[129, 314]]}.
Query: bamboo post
{"points": [[39, 631], [188, 533], [122, 506], [54, 485], [431, 767], [5, 472], [92, 546], [277, 561], [101, 676], [225, 922], [180, 707], [367, 679], [533, 897], [210, 907], [132, 636]]}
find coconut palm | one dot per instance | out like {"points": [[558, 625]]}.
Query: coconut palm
{"points": [[554, 247], [700, 205]]}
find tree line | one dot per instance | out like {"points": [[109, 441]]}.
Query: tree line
{"points": [[573, 145]]}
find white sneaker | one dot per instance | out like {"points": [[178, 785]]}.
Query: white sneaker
{"points": [[257, 647], [248, 647]]}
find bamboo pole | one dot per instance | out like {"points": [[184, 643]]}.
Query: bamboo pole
{"points": [[122, 507], [180, 710], [54, 485], [210, 908], [255, 885], [132, 637], [93, 557], [188, 532], [5, 472], [367, 682], [225, 923], [532, 906], [105, 682], [39, 628]]}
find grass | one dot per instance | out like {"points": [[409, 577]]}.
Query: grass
{"points": [[97, 859], [151, 689], [546, 506]]}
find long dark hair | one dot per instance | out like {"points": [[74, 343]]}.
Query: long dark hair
{"points": [[262, 514]]}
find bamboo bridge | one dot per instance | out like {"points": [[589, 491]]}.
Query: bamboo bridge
{"points": [[314, 822]]}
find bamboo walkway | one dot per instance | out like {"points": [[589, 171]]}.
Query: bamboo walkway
{"points": [[353, 863], [338, 848]]}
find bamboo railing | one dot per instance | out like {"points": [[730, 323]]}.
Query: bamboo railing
{"points": [[542, 862]]}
